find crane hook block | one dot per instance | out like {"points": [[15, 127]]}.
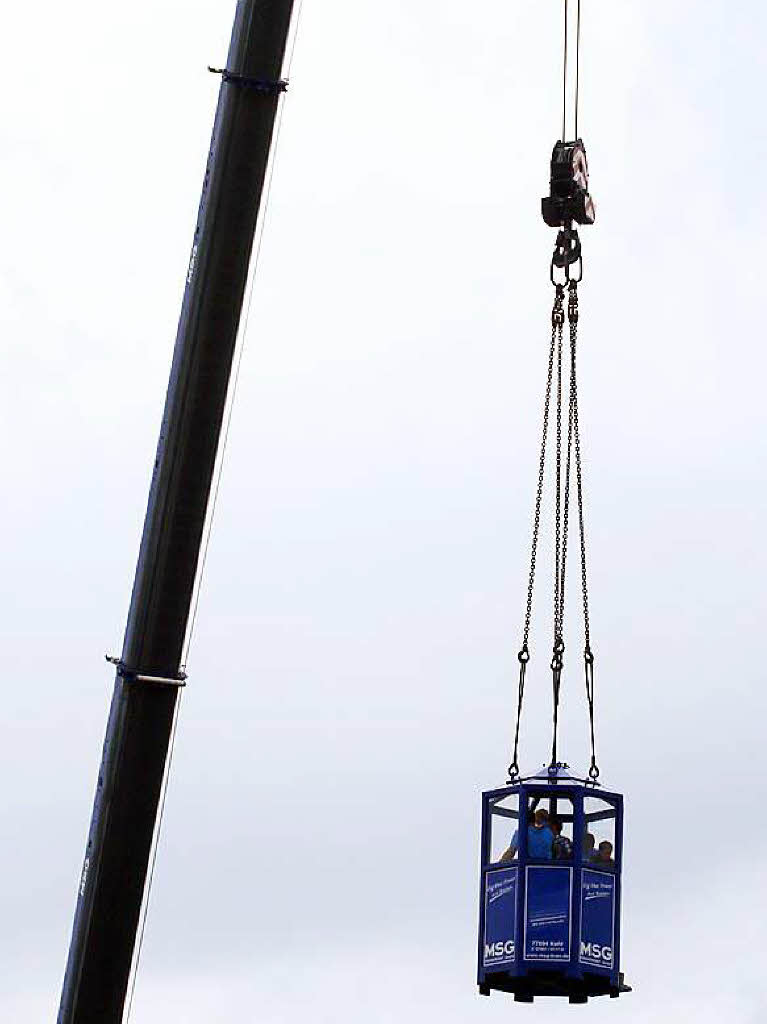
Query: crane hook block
{"points": [[569, 198]]}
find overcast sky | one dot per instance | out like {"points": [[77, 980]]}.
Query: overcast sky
{"points": [[352, 674]]}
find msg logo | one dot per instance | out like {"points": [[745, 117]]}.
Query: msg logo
{"points": [[594, 952], [499, 950]]}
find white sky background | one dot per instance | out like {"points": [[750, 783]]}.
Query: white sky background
{"points": [[354, 667]]}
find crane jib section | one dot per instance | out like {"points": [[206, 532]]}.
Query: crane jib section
{"points": [[119, 846]]}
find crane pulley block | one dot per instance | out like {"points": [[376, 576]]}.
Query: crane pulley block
{"points": [[569, 198]]}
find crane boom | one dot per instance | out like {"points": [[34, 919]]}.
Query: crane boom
{"points": [[149, 671]]}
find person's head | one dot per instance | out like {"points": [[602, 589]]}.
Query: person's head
{"points": [[555, 825], [605, 850], [588, 842], [541, 817]]}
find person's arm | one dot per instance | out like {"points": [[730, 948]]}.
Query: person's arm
{"points": [[511, 852]]}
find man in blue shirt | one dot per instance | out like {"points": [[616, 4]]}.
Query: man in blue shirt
{"points": [[539, 838]]}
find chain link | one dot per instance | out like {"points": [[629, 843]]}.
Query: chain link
{"points": [[557, 329], [572, 315], [557, 326], [588, 655], [558, 497], [558, 647]]}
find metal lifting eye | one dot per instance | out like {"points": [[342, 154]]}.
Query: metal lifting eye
{"points": [[567, 250], [568, 198]]}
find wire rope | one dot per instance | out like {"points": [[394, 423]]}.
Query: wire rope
{"points": [[577, 68], [565, 61], [564, 75]]}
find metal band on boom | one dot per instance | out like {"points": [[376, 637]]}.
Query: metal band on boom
{"points": [[257, 84], [131, 676]]}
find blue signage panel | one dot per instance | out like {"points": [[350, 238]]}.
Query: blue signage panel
{"points": [[500, 917], [548, 899], [597, 919]]}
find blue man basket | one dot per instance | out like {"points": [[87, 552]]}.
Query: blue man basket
{"points": [[550, 927]]}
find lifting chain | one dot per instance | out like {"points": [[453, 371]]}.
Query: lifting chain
{"points": [[562, 490], [557, 328], [574, 434]]}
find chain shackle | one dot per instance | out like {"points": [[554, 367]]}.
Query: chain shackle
{"points": [[556, 683], [523, 657], [588, 661]]}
